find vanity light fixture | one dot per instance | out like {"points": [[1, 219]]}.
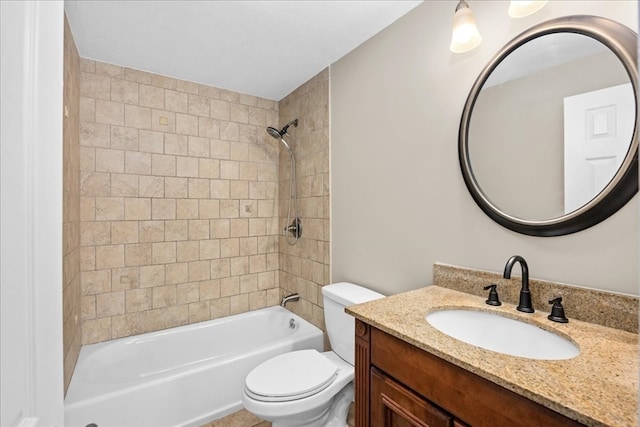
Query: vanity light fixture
{"points": [[465, 32], [522, 8]]}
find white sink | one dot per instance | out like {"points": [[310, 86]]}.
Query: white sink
{"points": [[494, 332]]}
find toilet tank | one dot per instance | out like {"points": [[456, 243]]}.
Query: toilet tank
{"points": [[340, 325]]}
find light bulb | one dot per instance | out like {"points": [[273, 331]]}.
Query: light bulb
{"points": [[465, 34], [521, 8]]}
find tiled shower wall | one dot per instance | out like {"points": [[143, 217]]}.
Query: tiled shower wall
{"points": [[178, 202], [304, 267], [72, 335]]}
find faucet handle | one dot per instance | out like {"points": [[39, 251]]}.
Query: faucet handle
{"points": [[557, 311], [493, 295]]}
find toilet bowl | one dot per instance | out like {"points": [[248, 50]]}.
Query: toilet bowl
{"points": [[306, 387], [301, 388]]}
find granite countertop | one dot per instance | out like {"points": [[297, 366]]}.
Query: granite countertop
{"points": [[599, 387]]}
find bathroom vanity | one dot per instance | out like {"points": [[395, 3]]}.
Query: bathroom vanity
{"points": [[408, 373]]}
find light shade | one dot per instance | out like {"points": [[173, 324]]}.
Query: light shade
{"points": [[520, 8], [465, 33]]}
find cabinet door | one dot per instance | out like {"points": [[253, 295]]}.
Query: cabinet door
{"points": [[393, 405]]}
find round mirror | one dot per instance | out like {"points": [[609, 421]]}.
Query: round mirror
{"points": [[548, 142]]}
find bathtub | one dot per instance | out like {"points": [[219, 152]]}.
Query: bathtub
{"points": [[185, 376]]}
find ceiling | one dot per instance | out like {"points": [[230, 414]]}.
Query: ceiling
{"points": [[261, 48]]}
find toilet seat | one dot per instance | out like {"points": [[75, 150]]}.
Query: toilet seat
{"points": [[291, 376]]}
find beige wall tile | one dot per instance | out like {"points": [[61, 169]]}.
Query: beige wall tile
{"points": [[188, 251], [163, 253], [150, 186], [88, 307], [186, 86], [176, 230], [137, 209], [137, 76], [164, 296], [95, 86], [125, 185], [219, 109], [199, 270], [187, 209], [163, 81], [248, 246], [199, 311], [220, 268], [229, 131], [176, 187], [151, 231], [123, 138], [95, 282], [125, 325], [199, 147], [198, 229], [220, 189], [137, 117], [209, 249], [230, 208], [187, 293], [209, 128], [137, 163], [209, 289], [229, 286], [138, 254], [229, 169], [151, 276], [257, 300], [123, 279], [176, 101], [163, 209], [138, 300], [109, 208], [219, 149], [220, 308], [229, 248], [124, 232], [110, 113], [151, 141], [110, 256], [94, 233], [187, 167], [163, 121], [96, 330], [124, 91], [94, 135], [109, 160], [239, 228], [198, 105], [163, 165], [198, 188], [219, 228], [151, 96], [176, 144], [109, 304], [239, 303], [186, 124], [176, 273], [208, 209], [108, 69]]}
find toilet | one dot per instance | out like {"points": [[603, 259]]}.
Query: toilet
{"points": [[306, 387]]}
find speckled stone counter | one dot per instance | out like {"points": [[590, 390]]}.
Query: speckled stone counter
{"points": [[599, 387]]}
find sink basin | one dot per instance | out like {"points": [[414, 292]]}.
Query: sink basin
{"points": [[494, 332]]}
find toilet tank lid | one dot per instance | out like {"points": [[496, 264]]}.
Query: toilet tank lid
{"points": [[348, 294]]}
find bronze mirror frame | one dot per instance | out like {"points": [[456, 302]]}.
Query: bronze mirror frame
{"points": [[622, 41]]}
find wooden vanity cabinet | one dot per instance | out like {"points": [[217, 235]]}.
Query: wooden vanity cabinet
{"points": [[400, 385]]}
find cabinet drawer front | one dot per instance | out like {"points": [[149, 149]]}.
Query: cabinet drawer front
{"points": [[393, 405], [467, 396]]}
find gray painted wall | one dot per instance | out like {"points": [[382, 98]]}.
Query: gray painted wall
{"points": [[399, 203]]}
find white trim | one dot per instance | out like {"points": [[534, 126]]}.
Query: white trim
{"points": [[31, 365]]}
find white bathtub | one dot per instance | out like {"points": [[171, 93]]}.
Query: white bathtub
{"points": [[185, 376]]}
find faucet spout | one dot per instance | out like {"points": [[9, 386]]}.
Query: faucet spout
{"points": [[286, 299], [524, 304]]}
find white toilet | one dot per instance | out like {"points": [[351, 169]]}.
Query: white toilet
{"points": [[308, 388]]}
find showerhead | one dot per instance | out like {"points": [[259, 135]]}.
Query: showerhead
{"points": [[279, 134]]}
